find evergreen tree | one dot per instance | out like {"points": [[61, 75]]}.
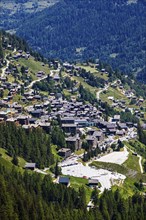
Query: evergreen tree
{"points": [[94, 197], [57, 172], [15, 160]]}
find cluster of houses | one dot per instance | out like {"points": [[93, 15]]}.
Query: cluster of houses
{"points": [[121, 103], [80, 122], [76, 119], [66, 181], [21, 54]]}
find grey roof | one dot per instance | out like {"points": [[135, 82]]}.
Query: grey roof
{"points": [[64, 150], [117, 117], [67, 119], [111, 126], [63, 179], [73, 139], [144, 126], [90, 138], [69, 125], [98, 133], [93, 181], [30, 165]]}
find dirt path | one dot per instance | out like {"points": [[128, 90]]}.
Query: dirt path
{"points": [[7, 65], [104, 89], [37, 80], [140, 164]]}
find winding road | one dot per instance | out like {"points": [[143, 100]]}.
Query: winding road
{"points": [[4, 68], [37, 80], [52, 72], [7, 65], [100, 91], [140, 164], [104, 89]]}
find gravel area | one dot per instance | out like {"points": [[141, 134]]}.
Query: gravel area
{"points": [[106, 178], [115, 157]]}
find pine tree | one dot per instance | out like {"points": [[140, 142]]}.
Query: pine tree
{"points": [[15, 160], [57, 172], [94, 197]]}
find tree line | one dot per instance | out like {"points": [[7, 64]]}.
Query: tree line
{"points": [[49, 201], [114, 38], [34, 145]]}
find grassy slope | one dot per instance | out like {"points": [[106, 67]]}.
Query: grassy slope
{"points": [[6, 160], [95, 72], [34, 66], [132, 163], [77, 182], [113, 92], [137, 147], [54, 152], [85, 85]]}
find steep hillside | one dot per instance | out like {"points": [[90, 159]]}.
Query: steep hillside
{"points": [[37, 98], [110, 30], [14, 11]]}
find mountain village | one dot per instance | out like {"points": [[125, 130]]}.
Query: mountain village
{"points": [[81, 122]]}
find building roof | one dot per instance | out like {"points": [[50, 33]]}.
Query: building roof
{"points": [[90, 138], [93, 181], [117, 117], [30, 165], [122, 125], [67, 119], [69, 125], [64, 150], [144, 126], [63, 179], [71, 139], [111, 125], [98, 133]]}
